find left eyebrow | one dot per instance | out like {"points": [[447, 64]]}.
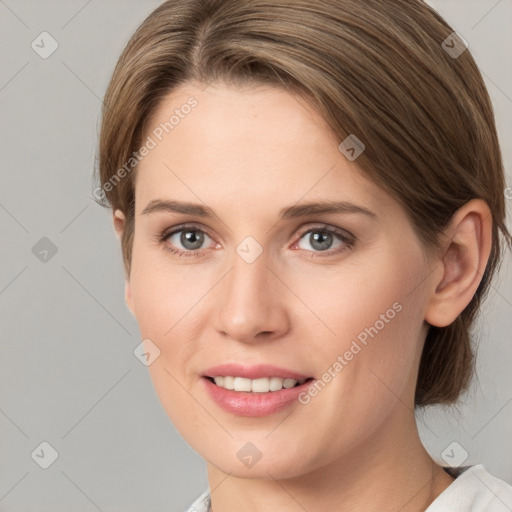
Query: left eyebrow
{"points": [[290, 212]]}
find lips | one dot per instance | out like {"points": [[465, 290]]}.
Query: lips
{"points": [[251, 404], [253, 372], [254, 403]]}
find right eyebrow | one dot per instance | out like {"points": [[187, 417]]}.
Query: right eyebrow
{"points": [[165, 205]]}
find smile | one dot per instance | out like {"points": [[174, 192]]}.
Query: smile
{"points": [[261, 385]]}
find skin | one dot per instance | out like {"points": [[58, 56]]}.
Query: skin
{"points": [[247, 153]]}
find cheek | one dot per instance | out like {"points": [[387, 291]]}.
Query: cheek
{"points": [[370, 361], [164, 292], [164, 297], [370, 291], [371, 316], [169, 301]]}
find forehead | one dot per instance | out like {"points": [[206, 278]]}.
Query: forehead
{"points": [[255, 144]]}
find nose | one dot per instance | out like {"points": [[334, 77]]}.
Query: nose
{"points": [[251, 305]]}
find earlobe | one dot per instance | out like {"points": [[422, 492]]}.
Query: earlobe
{"points": [[128, 296], [119, 219], [467, 249]]}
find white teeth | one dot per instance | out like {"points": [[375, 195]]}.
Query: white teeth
{"points": [[289, 383], [219, 381], [275, 384], [242, 384], [260, 385], [263, 385]]}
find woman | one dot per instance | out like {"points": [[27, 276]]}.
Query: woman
{"points": [[309, 198]]}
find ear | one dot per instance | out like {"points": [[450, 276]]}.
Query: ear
{"points": [[119, 219], [119, 222], [465, 253]]}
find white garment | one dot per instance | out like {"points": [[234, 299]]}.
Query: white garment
{"points": [[474, 490]]}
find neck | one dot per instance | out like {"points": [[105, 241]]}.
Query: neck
{"points": [[391, 471]]}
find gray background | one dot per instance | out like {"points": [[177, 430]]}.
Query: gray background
{"points": [[68, 373]]}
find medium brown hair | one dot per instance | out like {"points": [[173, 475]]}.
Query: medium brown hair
{"points": [[374, 69]]}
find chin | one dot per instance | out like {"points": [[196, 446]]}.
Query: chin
{"points": [[255, 460]]}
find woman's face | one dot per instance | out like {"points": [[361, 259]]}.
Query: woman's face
{"points": [[339, 297]]}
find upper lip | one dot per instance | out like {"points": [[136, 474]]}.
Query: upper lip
{"points": [[253, 372]]}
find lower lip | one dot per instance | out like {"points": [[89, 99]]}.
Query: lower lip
{"points": [[243, 403]]}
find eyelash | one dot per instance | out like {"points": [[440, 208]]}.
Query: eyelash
{"points": [[347, 239]]}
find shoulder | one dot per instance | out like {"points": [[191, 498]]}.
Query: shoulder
{"points": [[201, 504], [474, 490]]}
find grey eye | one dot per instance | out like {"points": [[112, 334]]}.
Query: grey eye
{"points": [[190, 239], [319, 240]]}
